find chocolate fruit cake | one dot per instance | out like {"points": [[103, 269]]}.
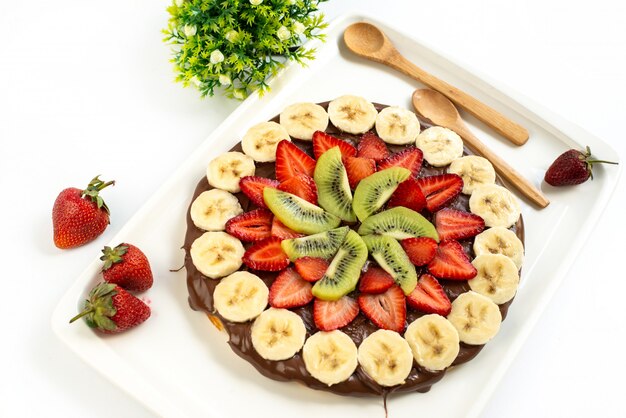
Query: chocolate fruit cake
{"points": [[353, 248]]}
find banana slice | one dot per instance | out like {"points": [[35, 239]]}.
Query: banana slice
{"points": [[225, 171], [240, 297], [302, 119], [352, 114], [278, 334], [217, 254], [330, 357], [499, 240], [213, 208], [261, 140], [434, 341], [474, 171], [476, 318], [386, 357], [495, 204], [440, 145], [397, 125], [497, 277]]}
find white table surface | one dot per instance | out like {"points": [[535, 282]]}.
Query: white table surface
{"points": [[86, 88]]}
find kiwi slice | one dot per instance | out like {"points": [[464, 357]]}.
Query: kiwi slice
{"points": [[324, 244], [399, 223], [333, 187], [391, 257], [344, 271], [297, 213], [373, 191]]}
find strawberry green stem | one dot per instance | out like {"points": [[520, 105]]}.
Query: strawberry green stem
{"points": [[93, 189], [81, 314], [601, 161]]}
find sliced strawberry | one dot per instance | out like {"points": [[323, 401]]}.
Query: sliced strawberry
{"points": [[440, 190], [289, 290], [331, 315], [386, 310], [408, 194], [322, 142], [251, 226], [371, 146], [420, 250], [410, 158], [375, 280], [291, 160], [302, 185], [311, 268], [457, 224], [279, 230], [429, 296], [252, 186], [358, 168], [451, 262], [266, 255]]}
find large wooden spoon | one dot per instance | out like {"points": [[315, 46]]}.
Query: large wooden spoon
{"points": [[368, 41], [435, 107]]}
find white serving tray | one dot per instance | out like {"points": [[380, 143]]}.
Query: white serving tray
{"points": [[178, 365]]}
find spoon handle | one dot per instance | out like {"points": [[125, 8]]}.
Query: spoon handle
{"points": [[502, 167], [512, 131]]}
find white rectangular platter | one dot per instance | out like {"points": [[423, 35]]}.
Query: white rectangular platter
{"points": [[178, 365]]}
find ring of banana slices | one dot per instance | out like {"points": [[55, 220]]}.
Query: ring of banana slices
{"points": [[272, 257]]}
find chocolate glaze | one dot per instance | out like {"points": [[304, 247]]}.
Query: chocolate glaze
{"points": [[359, 384]]}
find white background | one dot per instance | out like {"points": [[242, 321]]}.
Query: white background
{"points": [[86, 88]]}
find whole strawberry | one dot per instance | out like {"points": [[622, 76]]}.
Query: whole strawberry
{"points": [[110, 309], [126, 266], [572, 167], [80, 216]]}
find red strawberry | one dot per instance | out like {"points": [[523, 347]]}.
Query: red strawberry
{"points": [[302, 186], [291, 160], [457, 224], [279, 230], [334, 314], [440, 190], [311, 268], [126, 266], [80, 216], [408, 194], [375, 280], [572, 167], [266, 255], [251, 226], [252, 186], [358, 168], [111, 309], [451, 262], [322, 142], [289, 290], [371, 146], [410, 158], [420, 250], [429, 297], [386, 310]]}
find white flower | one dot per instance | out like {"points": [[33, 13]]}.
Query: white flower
{"points": [[216, 57], [283, 33], [190, 30], [231, 35], [179, 3], [298, 28], [238, 94], [195, 80], [256, 2], [224, 80]]}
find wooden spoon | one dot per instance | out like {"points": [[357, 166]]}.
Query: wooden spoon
{"points": [[435, 107], [368, 41]]}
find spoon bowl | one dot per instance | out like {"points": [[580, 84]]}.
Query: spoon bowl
{"points": [[435, 107], [365, 39]]}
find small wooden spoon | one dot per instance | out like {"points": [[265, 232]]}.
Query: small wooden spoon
{"points": [[435, 107], [368, 41]]}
